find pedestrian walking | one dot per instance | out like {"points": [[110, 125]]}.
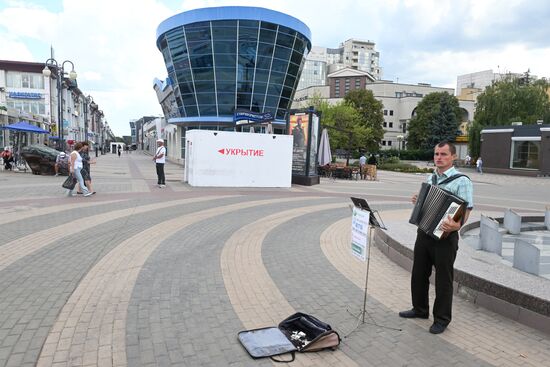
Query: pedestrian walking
{"points": [[363, 166], [86, 173], [441, 254], [479, 165], [118, 150], [75, 167], [160, 159]]}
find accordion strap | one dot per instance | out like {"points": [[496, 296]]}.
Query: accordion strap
{"points": [[448, 179]]}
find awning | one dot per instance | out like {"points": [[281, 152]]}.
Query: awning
{"points": [[25, 127]]}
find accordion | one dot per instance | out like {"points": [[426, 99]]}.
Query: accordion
{"points": [[433, 205]]}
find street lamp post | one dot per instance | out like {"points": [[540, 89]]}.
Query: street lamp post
{"points": [[52, 63], [88, 100], [399, 140]]}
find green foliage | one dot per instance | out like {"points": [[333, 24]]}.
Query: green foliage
{"points": [[474, 139], [409, 154], [345, 120], [359, 115], [436, 120], [507, 101], [392, 159], [371, 117], [403, 167], [512, 100]]}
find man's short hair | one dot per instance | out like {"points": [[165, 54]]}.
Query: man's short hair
{"points": [[452, 147]]}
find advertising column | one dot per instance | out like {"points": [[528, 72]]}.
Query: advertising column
{"points": [[304, 128]]}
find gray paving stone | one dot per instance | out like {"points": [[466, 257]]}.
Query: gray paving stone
{"points": [[201, 291], [307, 263]]}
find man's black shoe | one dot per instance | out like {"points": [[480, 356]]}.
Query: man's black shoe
{"points": [[412, 314], [437, 328]]}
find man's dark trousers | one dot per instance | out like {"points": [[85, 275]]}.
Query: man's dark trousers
{"points": [[160, 173], [430, 252]]}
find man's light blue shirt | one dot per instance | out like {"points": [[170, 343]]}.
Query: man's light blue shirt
{"points": [[461, 187]]}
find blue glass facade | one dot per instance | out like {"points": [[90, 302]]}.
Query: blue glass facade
{"points": [[228, 58]]}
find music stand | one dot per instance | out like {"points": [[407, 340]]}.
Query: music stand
{"points": [[374, 222]]}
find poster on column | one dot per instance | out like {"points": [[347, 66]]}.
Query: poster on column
{"points": [[360, 233], [298, 128]]}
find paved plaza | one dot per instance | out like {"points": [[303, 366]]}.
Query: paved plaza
{"points": [[141, 276]]}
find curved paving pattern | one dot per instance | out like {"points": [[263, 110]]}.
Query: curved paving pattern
{"points": [[106, 290], [138, 276], [472, 327], [257, 300]]}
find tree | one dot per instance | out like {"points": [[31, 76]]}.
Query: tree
{"points": [[509, 100], [436, 120], [369, 127], [345, 120]]}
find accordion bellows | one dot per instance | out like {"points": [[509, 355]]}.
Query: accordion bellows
{"points": [[433, 205]]}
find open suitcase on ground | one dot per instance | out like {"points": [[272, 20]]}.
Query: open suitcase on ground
{"points": [[297, 333]]}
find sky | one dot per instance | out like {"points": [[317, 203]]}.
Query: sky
{"points": [[112, 43]]}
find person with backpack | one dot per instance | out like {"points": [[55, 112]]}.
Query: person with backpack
{"points": [[441, 254]]}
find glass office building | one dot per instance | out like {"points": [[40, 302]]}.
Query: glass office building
{"points": [[227, 58]]}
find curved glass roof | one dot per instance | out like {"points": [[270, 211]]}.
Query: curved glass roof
{"points": [[230, 13]]}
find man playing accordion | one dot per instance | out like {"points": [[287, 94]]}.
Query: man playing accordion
{"points": [[439, 253]]}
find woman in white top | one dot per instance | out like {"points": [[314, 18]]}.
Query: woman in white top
{"points": [[75, 166]]}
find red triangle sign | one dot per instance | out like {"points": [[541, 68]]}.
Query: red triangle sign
{"points": [[221, 151]]}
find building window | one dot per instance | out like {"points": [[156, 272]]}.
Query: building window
{"points": [[25, 80], [391, 124], [34, 107], [525, 154], [383, 142], [385, 124], [385, 112], [391, 112], [389, 143]]}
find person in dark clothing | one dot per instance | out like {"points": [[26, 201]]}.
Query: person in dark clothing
{"points": [[298, 134], [372, 160], [441, 254], [118, 150], [86, 173], [8, 158]]}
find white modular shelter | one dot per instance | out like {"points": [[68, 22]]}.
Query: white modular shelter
{"points": [[233, 159]]}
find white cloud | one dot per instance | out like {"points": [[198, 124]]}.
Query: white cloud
{"points": [[13, 49], [443, 68], [113, 43]]}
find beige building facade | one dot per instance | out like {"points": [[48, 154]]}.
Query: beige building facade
{"points": [[399, 100]]}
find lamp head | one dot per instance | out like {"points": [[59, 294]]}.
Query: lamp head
{"points": [[46, 72], [72, 75]]}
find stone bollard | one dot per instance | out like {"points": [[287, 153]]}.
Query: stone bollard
{"points": [[526, 257], [512, 222], [490, 239], [547, 218]]}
